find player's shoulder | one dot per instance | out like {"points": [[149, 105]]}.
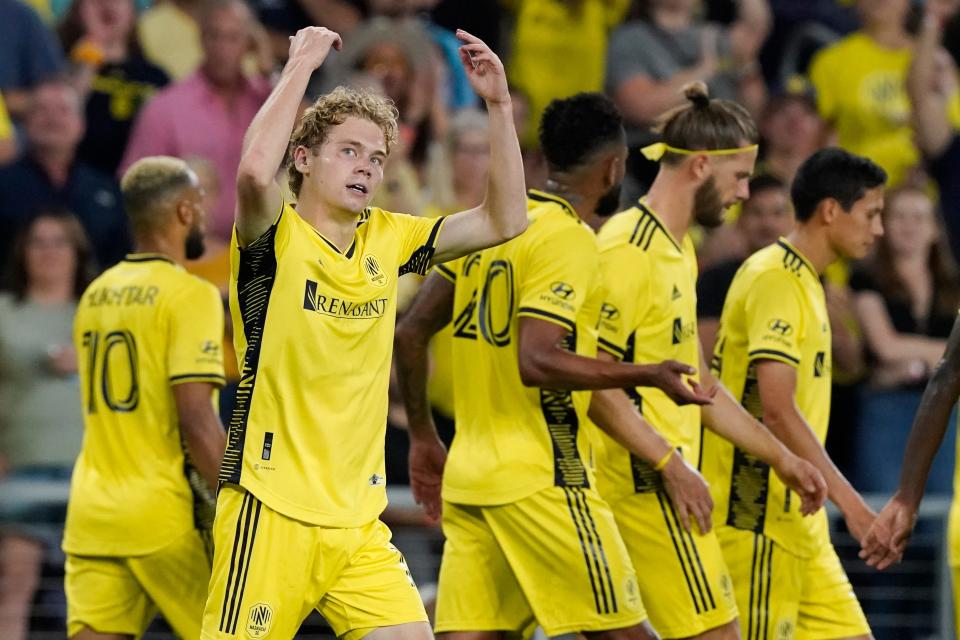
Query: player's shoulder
{"points": [[554, 223], [776, 267], [638, 233]]}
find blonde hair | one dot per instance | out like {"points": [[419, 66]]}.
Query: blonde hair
{"points": [[703, 123], [332, 109], [146, 186]]}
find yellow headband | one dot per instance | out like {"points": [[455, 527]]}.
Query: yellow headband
{"points": [[655, 151]]}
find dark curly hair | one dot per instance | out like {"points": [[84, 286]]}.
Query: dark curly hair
{"points": [[574, 128]]}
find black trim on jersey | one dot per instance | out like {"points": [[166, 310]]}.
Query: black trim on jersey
{"points": [[646, 479], [749, 485], [794, 261], [147, 257], [348, 253], [563, 426], [446, 272], [569, 324], [198, 377], [676, 546], [604, 596], [610, 348], [758, 354], [419, 261], [692, 555], [542, 196], [257, 273], [646, 236]]}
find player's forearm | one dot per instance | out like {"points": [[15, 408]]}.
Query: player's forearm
{"points": [[929, 426], [727, 418], [206, 442], [505, 202], [612, 411], [265, 143], [411, 358], [557, 368]]}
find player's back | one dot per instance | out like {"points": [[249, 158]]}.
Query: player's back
{"points": [[136, 336], [513, 440]]}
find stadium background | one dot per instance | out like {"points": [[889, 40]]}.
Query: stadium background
{"points": [[89, 86]]}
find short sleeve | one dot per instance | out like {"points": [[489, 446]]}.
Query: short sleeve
{"points": [[774, 318], [418, 241], [623, 298], [195, 352], [556, 275]]}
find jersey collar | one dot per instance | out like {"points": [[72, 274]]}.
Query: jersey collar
{"points": [[793, 251], [543, 196], [147, 257], [643, 206]]}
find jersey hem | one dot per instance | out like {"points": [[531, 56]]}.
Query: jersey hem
{"points": [[99, 550], [476, 498], [295, 512], [773, 354], [198, 377], [548, 316]]}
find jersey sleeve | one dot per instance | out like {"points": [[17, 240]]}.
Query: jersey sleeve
{"points": [[774, 318], [195, 352], [556, 274], [623, 298], [418, 241]]}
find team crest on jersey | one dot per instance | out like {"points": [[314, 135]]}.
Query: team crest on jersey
{"points": [[373, 271], [631, 592], [785, 630], [259, 620]]}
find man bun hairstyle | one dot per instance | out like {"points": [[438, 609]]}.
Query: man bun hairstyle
{"points": [[833, 173], [704, 124]]}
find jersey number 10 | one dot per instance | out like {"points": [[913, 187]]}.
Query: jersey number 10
{"points": [[104, 355]]}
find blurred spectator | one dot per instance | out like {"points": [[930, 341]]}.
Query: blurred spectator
{"points": [[906, 299], [458, 166], [861, 92], [29, 54], [765, 216], [111, 73], [207, 114], [283, 18], [50, 176], [792, 130], [482, 18], [559, 48], [931, 83], [41, 427], [663, 47], [169, 35], [8, 143]]}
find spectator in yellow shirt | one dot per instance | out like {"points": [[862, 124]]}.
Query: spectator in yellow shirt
{"points": [[8, 144]]}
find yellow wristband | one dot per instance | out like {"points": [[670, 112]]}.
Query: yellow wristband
{"points": [[664, 460]]}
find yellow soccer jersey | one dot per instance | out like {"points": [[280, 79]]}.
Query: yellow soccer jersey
{"points": [[513, 440], [649, 315], [775, 310], [141, 327], [313, 329]]}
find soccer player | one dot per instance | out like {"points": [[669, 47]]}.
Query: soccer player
{"points": [[313, 291], [773, 353], [650, 269], [519, 503], [148, 336]]}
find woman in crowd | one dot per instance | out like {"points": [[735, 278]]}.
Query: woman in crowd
{"points": [[906, 299], [41, 426]]}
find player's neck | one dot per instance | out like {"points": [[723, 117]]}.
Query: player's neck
{"points": [[672, 201], [566, 188], [339, 226], [812, 245], [166, 246]]}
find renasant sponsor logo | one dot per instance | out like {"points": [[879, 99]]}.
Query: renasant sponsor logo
{"points": [[314, 300]]}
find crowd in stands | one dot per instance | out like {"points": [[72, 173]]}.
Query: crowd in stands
{"points": [[87, 87]]}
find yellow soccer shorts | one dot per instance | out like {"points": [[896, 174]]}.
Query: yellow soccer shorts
{"points": [[123, 595], [554, 558], [684, 580], [784, 597], [269, 571]]}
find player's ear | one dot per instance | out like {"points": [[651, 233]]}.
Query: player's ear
{"points": [[302, 159], [829, 208], [611, 172], [700, 167]]}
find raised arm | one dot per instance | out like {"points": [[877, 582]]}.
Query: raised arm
{"points": [[265, 143], [930, 83], [503, 213], [429, 312], [886, 540]]}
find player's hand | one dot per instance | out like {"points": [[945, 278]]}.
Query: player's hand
{"points": [[886, 539], [689, 493], [427, 457], [484, 69], [670, 377], [313, 44], [805, 480]]}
